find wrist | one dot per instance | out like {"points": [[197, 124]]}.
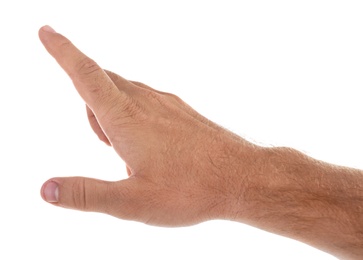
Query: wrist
{"points": [[267, 180], [243, 164], [294, 195]]}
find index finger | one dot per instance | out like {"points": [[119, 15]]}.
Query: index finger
{"points": [[90, 80]]}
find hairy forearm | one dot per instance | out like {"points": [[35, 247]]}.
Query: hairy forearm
{"points": [[291, 194]]}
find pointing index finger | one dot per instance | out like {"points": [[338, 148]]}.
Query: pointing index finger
{"points": [[90, 80]]}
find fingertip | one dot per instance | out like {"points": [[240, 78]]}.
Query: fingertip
{"points": [[48, 29], [50, 191], [44, 32]]}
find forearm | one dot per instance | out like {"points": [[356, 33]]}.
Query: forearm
{"points": [[293, 195]]}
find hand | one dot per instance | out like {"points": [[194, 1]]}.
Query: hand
{"points": [[182, 167]]}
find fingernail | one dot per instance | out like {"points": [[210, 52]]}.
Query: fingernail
{"points": [[50, 191], [47, 28]]}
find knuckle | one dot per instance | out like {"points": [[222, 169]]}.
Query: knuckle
{"points": [[174, 97], [133, 109], [86, 66], [65, 45], [140, 84], [100, 91], [79, 196], [153, 95], [157, 98]]}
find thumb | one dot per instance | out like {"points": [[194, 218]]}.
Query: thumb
{"points": [[84, 194]]}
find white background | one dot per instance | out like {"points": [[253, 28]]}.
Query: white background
{"points": [[276, 72]]}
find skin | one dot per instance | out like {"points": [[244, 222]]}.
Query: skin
{"points": [[184, 169]]}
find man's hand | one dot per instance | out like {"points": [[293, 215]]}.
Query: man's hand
{"points": [[181, 166], [184, 169]]}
